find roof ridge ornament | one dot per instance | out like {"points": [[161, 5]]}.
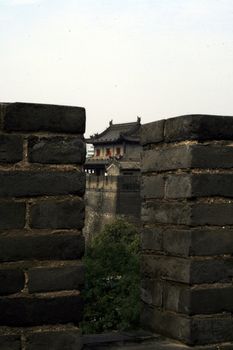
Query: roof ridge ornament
{"points": [[111, 122]]}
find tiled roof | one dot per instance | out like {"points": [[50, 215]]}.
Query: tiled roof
{"points": [[117, 132]]}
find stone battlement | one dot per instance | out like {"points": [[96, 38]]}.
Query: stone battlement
{"points": [[41, 219]]}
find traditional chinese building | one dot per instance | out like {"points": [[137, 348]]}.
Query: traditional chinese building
{"points": [[116, 150]]}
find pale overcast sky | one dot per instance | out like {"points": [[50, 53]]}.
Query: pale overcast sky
{"points": [[119, 58]]}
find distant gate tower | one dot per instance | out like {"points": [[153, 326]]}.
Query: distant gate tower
{"points": [[116, 150]]}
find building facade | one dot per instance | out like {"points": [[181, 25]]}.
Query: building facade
{"points": [[116, 150]]}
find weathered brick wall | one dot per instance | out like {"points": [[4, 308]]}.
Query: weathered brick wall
{"points": [[41, 218], [187, 239], [108, 198]]}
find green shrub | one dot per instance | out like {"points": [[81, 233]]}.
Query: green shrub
{"points": [[112, 280]]}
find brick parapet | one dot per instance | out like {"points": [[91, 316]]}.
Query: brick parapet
{"points": [[187, 211], [42, 184]]}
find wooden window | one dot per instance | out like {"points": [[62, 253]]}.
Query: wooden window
{"points": [[108, 152], [118, 150], [97, 152]]}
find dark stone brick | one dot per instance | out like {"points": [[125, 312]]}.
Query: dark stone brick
{"points": [[152, 132], [22, 311], [188, 156], [179, 186], [152, 238], [31, 183], [152, 292], [10, 342], [153, 186], [201, 330], [56, 150], [211, 299], [61, 246], [198, 127], [212, 156], [209, 330], [187, 270], [11, 281], [166, 213], [11, 148], [178, 242], [58, 214], [62, 340], [177, 298], [166, 323], [55, 279], [199, 185], [169, 268], [219, 214], [217, 241], [198, 241], [12, 215], [41, 117], [211, 270], [166, 159]]}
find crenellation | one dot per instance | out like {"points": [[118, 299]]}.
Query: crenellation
{"points": [[42, 184], [187, 216]]}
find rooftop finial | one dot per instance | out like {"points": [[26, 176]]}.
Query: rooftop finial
{"points": [[111, 122]]}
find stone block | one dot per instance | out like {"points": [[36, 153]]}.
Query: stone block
{"points": [[166, 267], [65, 214], [39, 183], [207, 299], [211, 270], [152, 238], [211, 241], [11, 148], [32, 117], [212, 329], [36, 311], [11, 281], [60, 246], [168, 324], [198, 127], [12, 215], [209, 156], [62, 340], [55, 278], [193, 271], [153, 186], [198, 241], [198, 330], [152, 292], [10, 342], [192, 214], [152, 132], [219, 214], [178, 157], [178, 242], [166, 213], [56, 150], [199, 185]]}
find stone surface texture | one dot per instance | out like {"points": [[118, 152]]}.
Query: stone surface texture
{"points": [[42, 184], [187, 235]]}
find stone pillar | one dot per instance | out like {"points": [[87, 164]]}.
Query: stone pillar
{"points": [[41, 218], [187, 239]]}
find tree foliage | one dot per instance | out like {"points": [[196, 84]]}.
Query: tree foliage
{"points": [[112, 279]]}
